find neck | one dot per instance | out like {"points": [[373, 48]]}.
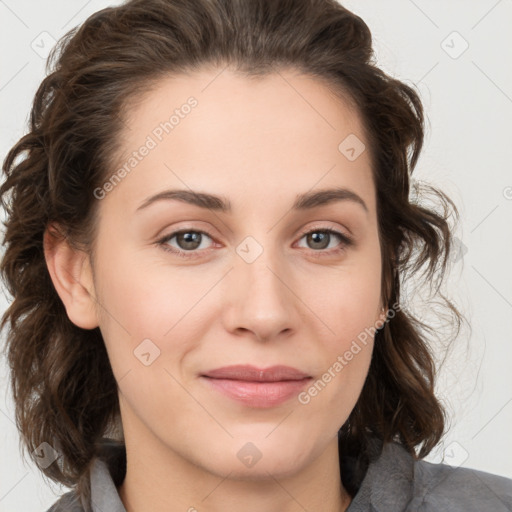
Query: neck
{"points": [[158, 479]]}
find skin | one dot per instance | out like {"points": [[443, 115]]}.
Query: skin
{"points": [[258, 143]]}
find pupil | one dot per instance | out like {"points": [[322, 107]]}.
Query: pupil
{"points": [[321, 236], [189, 242]]}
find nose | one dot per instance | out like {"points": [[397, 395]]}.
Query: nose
{"points": [[259, 298]]}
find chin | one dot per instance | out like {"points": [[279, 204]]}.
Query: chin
{"points": [[260, 458]]}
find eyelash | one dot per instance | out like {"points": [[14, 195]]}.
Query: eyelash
{"points": [[346, 242]]}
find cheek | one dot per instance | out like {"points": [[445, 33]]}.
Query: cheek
{"points": [[346, 361], [146, 297], [347, 322], [153, 319], [347, 306]]}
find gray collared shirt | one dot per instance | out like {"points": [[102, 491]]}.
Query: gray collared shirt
{"points": [[394, 482]]}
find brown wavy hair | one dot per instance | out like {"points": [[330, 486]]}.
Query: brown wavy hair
{"points": [[62, 383]]}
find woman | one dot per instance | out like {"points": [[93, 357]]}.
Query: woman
{"points": [[188, 345]]}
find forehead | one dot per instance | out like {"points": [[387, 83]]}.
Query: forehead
{"points": [[273, 136]]}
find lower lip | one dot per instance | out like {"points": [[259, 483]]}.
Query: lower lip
{"points": [[258, 394]]}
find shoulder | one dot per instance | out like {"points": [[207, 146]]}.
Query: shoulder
{"points": [[451, 488], [396, 482], [68, 502]]}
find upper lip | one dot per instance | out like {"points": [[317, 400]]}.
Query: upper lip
{"points": [[252, 373]]}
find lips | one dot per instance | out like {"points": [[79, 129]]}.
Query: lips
{"points": [[257, 387], [253, 374]]}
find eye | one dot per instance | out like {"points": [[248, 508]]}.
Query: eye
{"points": [[320, 239], [189, 240]]}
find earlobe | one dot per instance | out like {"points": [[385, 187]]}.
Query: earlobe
{"points": [[71, 275], [381, 320]]}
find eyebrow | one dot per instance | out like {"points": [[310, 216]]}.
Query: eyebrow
{"points": [[306, 201]]}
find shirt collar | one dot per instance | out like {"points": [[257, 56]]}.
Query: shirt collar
{"points": [[388, 483], [107, 474]]}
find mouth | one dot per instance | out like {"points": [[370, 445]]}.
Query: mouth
{"points": [[255, 387]]}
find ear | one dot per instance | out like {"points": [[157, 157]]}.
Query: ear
{"points": [[71, 274]]}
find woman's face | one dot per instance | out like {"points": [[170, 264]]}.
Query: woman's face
{"points": [[243, 284]]}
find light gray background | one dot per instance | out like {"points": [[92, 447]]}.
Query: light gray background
{"points": [[468, 154]]}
